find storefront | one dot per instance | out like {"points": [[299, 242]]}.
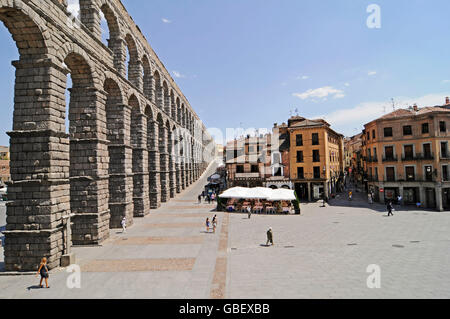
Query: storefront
{"points": [[430, 197], [446, 198], [410, 195], [390, 194]]}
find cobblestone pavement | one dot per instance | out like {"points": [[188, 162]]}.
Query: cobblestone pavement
{"points": [[323, 253]]}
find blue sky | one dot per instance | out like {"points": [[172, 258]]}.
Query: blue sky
{"points": [[250, 63]]}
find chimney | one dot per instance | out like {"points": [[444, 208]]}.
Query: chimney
{"points": [[415, 108], [447, 101]]}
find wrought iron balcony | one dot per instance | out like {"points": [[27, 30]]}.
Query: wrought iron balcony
{"points": [[390, 159]]}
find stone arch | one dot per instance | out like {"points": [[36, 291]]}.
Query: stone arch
{"points": [[158, 90], [114, 41], [166, 94], [147, 77], [171, 160], [120, 187], [173, 106], [25, 28], [138, 129], [134, 64], [26, 32], [163, 157], [183, 116], [153, 158], [178, 111]]}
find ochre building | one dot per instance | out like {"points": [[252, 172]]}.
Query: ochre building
{"points": [[316, 158], [406, 153]]}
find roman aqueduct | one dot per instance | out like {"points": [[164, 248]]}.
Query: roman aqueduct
{"points": [[133, 142]]}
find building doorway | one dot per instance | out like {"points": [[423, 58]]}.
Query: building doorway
{"points": [[302, 191], [430, 195], [410, 195]]}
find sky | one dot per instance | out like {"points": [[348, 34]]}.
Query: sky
{"points": [[253, 63]]}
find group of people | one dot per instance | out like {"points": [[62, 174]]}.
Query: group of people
{"points": [[212, 223], [207, 197]]}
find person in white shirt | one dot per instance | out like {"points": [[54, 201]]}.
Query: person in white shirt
{"points": [[124, 225]]}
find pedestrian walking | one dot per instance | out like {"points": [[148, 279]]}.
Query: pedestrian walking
{"points": [[124, 225], [269, 237], [370, 198], [399, 200], [208, 225], [350, 195], [213, 197], [43, 271], [200, 199], [209, 199], [214, 223], [389, 209], [249, 212]]}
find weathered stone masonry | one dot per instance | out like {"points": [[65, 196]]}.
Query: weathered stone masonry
{"points": [[133, 141]]}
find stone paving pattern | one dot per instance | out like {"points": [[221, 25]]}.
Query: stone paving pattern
{"points": [[324, 253]]}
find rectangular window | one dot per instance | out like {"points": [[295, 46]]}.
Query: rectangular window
{"points": [[425, 128], [251, 149], [388, 132], [427, 151], [316, 172], [299, 156], [407, 130], [373, 134], [277, 171], [429, 173], [442, 127], [390, 174], [389, 152], [299, 140], [410, 173], [315, 139], [375, 156], [409, 152], [444, 150], [240, 169], [255, 169], [368, 136], [376, 173], [300, 173], [316, 156], [445, 176]]}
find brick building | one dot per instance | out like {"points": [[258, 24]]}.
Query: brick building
{"points": [[406, 153]]}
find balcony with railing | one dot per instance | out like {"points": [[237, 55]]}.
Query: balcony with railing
{"points": [[387, 159]]}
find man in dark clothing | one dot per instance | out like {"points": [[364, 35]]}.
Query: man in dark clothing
{"points": [[199, 199], [389, 208], [269, 237]]}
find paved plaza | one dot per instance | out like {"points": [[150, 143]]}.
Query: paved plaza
{"points": [[323, 253]]}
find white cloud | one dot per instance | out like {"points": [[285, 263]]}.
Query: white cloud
{"points": [[166, 20], [346, 120], [445, 81], [302, 77], [322, 93], [178, 74], [372, 73], [347, 84]]}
